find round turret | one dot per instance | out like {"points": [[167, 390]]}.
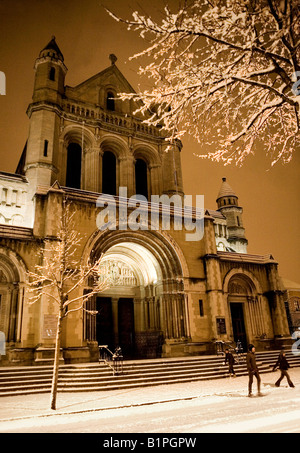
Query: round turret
{"points": [[50, 72], [226, 196]]}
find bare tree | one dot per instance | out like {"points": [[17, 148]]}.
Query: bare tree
{"points": [[60, 275], [224, 71]]}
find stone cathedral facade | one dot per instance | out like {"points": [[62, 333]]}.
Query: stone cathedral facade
{"points": [[167, 296]]}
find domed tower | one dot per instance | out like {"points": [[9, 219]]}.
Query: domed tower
{"points": [[44, 113], [50, 74], [228, 205]]}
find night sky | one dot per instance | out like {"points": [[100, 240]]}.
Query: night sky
{"points": [[86, 36]]}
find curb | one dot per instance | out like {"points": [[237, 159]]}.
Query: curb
{"points": [[99, 409]]}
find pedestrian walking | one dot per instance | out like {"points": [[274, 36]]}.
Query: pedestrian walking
{"points": [[252, 370], [230, 359], [283, 365]]}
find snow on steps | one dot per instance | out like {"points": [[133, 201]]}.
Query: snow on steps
{"points": [[139, 373]]}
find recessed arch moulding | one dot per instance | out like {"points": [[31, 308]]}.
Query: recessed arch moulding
{"points": [[14, 314], [257, 317], [158, 273]]}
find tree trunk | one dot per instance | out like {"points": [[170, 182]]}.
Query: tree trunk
{"points": [[56, 362]]}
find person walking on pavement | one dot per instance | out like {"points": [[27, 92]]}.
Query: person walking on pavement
{"points": [[283, 365], [252, 370], [230, 359]]}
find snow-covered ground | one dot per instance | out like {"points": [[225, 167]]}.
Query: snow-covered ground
{"points": [[200, 407]]}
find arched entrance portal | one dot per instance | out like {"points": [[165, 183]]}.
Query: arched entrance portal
{"points": [[144, 305], [246, 309], [11, 295]]}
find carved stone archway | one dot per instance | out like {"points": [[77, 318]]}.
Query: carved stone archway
{"points": [[246, 308], [147, 271]]}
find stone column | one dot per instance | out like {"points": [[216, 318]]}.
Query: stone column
{"points": [[22, 288], [130, 175], [115, 318], [92, 164], [138, 307], [280, 321], [99, 157], [13, 313]]}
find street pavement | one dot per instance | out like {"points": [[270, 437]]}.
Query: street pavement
{"points": [[29, 406]]}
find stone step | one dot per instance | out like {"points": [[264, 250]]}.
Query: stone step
{"points": [[103, 373], [118, 381], [97, 377], [114, 382]]}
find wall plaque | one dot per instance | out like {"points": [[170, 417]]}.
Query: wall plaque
{"points": [[221, 326]]}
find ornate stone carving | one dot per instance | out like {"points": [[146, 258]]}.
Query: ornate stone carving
{"points": [[236, 288], [3, 279], [117, 273]]}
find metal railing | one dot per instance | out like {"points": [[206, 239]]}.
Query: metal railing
{"points": [[237, 351], [113, 359]]}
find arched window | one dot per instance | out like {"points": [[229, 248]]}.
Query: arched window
{"points": [[141, 178], [9, 300], [52, 74], [110, 102], [73, 176], [46, 148], [109, 173]]}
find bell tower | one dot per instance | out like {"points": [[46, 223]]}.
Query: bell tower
{"points": [[228, 205], [44, 112]]}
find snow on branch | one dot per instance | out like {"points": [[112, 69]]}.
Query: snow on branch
{"points": [[223, 71]]}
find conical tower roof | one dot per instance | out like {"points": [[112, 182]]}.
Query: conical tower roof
{"points": [[226, 190], [52, 46]]}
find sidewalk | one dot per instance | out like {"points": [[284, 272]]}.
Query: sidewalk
{"points": [[27, 406]]}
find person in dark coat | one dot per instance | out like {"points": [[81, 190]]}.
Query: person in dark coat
{"points": [[230, 359], [252, 370], [283, 365]]}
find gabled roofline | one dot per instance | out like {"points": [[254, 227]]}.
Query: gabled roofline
{"points": [[113, 68]]}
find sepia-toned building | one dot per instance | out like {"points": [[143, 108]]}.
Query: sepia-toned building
{"points": [[292, 303], [169, 294]]}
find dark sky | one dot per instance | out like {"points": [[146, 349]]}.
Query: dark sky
{"points": [[86, 36]]}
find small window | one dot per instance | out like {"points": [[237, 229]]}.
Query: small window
{"points": [[201, 309], [109, 173], [45, 148], [110, 102], [73, 174], [52, 74], [141, 178], [238, 220]]}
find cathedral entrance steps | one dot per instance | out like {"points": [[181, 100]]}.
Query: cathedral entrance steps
{"points": [[272, 356], [139, 373]]}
